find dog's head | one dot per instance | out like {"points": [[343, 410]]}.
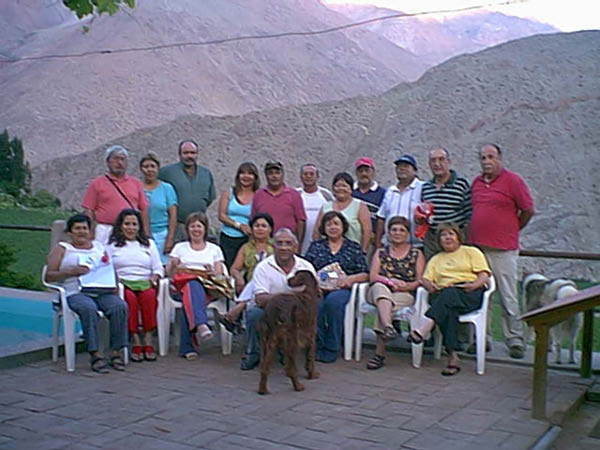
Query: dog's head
{"points": [[303, 280]]}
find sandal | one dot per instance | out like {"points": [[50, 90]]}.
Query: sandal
{"points": [[190, 356], [136, 353], [99, 364], [204, 333], [149, 353], [229, 325], [450, 370], [116, 362], [376, 362], [389, 333], [414, 337]]}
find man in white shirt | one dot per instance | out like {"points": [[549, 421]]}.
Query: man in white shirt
{"points": [[313, 197], [401, 199], [270, 278]]}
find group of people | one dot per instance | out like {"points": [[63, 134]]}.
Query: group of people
{"points": [[409, 235]]}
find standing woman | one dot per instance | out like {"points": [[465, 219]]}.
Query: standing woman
{"points": [[163, 206], [139, 268], [337, 251], [396, 272], [234, 211], [64, 267], [354, 210], [196, 254]]}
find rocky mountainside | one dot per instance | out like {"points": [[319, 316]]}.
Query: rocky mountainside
{"points": [[65, 106], [435, 39], [537, 97]]}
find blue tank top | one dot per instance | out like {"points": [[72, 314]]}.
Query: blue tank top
{"points": [[236, 211]]}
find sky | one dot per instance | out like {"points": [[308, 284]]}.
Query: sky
{"points": [[565, 15]]}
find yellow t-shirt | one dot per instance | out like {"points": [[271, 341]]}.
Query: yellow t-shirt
{"points": [[460, 266]]}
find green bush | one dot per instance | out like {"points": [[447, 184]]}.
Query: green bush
{"points": [[13, 279], [15, 175], [41, 199]]}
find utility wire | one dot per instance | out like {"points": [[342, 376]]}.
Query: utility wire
{"points": [[254, 37]]}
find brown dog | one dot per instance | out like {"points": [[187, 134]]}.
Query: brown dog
{"points": [[290, 322]]}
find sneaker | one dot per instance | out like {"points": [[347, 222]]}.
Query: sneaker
{"points": [[516, 352], [249, 362]]}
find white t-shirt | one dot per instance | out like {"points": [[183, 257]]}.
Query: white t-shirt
{"points": [[269, 278], [134, 261], [312, 205], [402, 203], [197, 259]]}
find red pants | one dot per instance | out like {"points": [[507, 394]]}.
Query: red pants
{"points": [[144, 301]]}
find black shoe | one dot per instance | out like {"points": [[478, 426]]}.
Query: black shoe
{"points": [[471, 349], [249, 362], [516, 352], [230, 326], [397, 326]]}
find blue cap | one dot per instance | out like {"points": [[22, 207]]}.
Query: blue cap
{"points": [[407, 159]]}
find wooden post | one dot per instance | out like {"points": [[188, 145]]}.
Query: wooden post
{"points": [[586, 346], [540, 372]]}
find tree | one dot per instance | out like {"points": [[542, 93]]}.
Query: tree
{"points": [[86, 7], [15, 175]]}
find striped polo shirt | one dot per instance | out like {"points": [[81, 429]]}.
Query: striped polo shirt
{"points": [[451, 202]]}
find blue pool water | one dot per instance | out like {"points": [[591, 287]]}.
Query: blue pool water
{"points": [[23, 320]]}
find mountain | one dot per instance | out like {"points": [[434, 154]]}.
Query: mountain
{"points": [[436, 38], [538, 98], [67, 105]]}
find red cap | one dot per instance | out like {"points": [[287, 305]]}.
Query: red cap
{"points": [[364, 161]]}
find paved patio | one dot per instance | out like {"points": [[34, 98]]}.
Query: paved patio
{"points": [[209, 403]]}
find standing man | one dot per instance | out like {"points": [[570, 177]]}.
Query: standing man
{"points": [[271, 278], [283, 203], [401, 199], [450, 195], [367, 189], [502, 206], [193, 184], [313, 197], [108, 194]]}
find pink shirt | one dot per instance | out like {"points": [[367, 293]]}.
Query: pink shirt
{"points": [[496, 206], [103, 198], [286, 208]]}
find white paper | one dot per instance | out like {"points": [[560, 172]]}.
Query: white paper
{"points": [[101, 274]]}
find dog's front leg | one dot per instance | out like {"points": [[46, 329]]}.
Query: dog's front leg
{"points": [[268, 346], [311, 350], [291, 347]]}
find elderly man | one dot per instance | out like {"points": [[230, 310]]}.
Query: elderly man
{"points": [[108, 194], [502, 206], [313, 197], [401, 199], [283, 203], [450, 195], [270, 278], [367, 189], [193, 184]]}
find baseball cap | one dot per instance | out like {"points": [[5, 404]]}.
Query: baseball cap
{"points": [[115, 149], [272, 164], [407, 159], [364, 161]]}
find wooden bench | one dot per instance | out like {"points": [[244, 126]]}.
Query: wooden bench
{"points": [[541, 320]]}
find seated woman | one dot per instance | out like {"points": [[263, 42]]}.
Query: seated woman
{"points": [[335, 252], [199, 255], [64, 267], [396, 272], [138, 265], [250, 254], [456, 279]]}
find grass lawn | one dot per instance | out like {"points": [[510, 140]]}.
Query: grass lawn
{"points": [[31, 247]]}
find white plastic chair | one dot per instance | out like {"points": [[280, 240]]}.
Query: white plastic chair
{"points": [[349, 319], [364, 308], [160, 313], [61, 309], [478, 318], [170, 306]]}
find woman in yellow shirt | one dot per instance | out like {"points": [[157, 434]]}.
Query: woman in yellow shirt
{"points": [[456, 279]]}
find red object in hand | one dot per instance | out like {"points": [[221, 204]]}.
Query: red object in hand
{"points": [[104, 258], [423, 212]]}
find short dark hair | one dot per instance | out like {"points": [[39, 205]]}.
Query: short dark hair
{"points": [[185, 141], [265, 216], [117, 235], [150, 156], [343, 176], [77, 218], [328, 216], [491, 144], [398, 220], [197, 217], [250, 167], [449, 226]]}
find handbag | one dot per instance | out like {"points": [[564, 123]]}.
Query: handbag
{"points": [[329, 276]]}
